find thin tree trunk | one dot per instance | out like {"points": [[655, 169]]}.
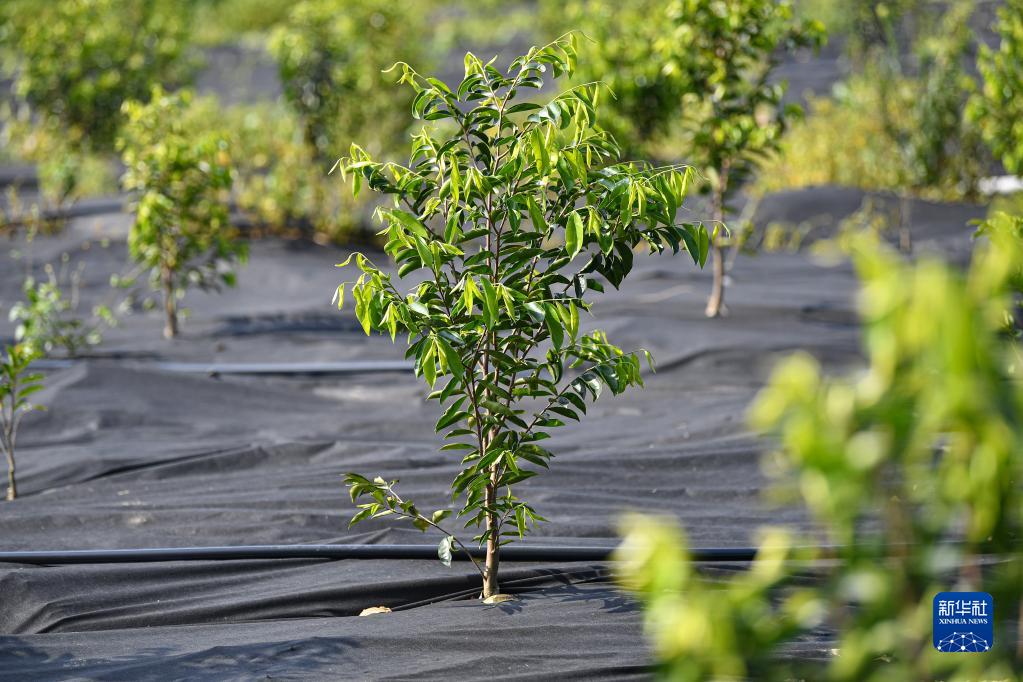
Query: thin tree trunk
{"points": [[1019, 636], [170, 327], [905, 227], [12, 487], [8, 447], [490, 586], [716, 302], [7, 436]]}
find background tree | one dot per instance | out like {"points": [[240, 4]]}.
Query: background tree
{"points": [[912, 471], [898, 123], [16, 385], [944, 146], [938, 145], [731, 114], [181, 233], [513, 217], [699, 71], [998, 108]]}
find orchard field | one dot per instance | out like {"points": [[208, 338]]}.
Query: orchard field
{"points": [[696, 322]]}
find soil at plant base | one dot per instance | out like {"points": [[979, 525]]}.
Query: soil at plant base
{"points": [[128, 456]]}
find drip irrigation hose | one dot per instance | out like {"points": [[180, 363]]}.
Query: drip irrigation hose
{"points": [[338, 552], [253, 368], [87, 208]]}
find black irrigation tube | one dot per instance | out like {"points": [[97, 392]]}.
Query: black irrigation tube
{"points": [[252, 368], [339, 552], [85, 209]]}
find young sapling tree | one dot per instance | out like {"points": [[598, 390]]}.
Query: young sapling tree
{"points": [[16, 385], [181, 234], [725, 54], [512, 214], [697, 76], [49, 320]]}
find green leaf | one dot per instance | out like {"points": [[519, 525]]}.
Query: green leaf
{"points": [[490, 305], [444, 550], [509, 302], [430, 365], [573, 320], [704, 245], [423, 249], [453, 414], [554, 325], [454, 362], [469, 293], [524, 106], [361, 515], [574, 234], [410, 222], [440, 515], [536, 216]]}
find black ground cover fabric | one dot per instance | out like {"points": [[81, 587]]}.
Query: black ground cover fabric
{"points": [[128, 456]]}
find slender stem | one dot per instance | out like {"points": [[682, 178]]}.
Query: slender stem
{"points": [[430, 522], [170, 329], [10, 423], [716, 302]]}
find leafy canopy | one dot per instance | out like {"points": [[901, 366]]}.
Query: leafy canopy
{"points": [[510, 215], [697, 72], [330, 59], [998, 108]]}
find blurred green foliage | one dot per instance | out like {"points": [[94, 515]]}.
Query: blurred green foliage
{"points": [[888, 127], [691, 80], [1011, 203], [182, 177], [622, 45], [911, 468], [65, 173], [77, 61], [944, 147], [998, 108], [705, 629], [48, 319], [279, 186], [74, 63], [843, 141], [332, 64], [868, 27], [695, 71], [278, 181], [220, 22]]}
